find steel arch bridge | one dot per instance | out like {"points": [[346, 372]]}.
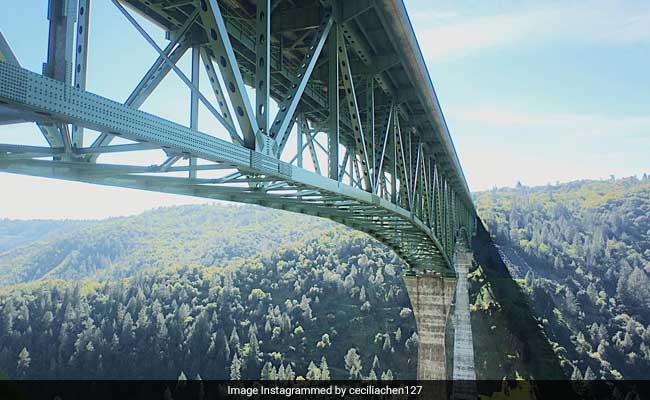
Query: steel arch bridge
{"points": [[325, 107]]}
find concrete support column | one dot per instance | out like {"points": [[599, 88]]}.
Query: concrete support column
{"points": [[431, 296], [464, 374]]}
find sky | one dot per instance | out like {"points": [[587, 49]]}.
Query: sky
{"points": [[533, 91]]}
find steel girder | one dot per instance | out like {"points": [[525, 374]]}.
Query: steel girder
{"points": [[335, 77]]}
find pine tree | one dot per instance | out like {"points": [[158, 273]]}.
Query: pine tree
{"points": [[254, 349], [313, 372], [571, 303], [387, 376], [387, 345], [324, 369], [592, 293], [353, 364], [412, 342], [24, 361], [375, 363], [265, 375], [235, 369], [379, 277], [289, 374], [234, 339], [589, 375], [576, 375]]}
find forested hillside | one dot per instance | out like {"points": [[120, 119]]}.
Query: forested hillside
{"points": [[581, 251], [170, 237], [210, 291], [16, 233]]}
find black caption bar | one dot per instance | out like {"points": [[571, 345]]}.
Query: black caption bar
{"points": [[244, 390]]}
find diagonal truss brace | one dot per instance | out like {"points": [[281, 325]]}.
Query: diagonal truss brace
{"points": [[282, 122], [224, 55], [152, 78], [353, 109]]}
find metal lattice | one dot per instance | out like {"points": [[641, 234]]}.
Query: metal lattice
{"points": [[358, 136]]}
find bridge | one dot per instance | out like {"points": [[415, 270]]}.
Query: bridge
{"points": [[323, 107]]}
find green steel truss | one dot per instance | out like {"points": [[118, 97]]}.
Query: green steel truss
{"points": [[358, 136]]}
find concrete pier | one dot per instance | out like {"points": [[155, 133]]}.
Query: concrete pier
{"points": [[464, 375], [431, 296]]}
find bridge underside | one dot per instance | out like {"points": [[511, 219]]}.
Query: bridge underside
{"points": [[357, 134]]}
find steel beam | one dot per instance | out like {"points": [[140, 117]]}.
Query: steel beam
{"points": [[222, 51], [194, 104], [280, 128], [152, 78], [353, 110], [333, 134], [81, 61]]}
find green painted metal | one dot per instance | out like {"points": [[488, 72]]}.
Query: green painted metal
{"points": [[398, 178]]}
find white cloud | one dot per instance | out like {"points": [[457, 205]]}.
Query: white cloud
{"points": [[444, 35]]}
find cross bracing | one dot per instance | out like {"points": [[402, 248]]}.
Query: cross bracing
{"points": [[327, 109]]}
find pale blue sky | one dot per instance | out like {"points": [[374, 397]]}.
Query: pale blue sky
{"points": [[533, 91]]}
